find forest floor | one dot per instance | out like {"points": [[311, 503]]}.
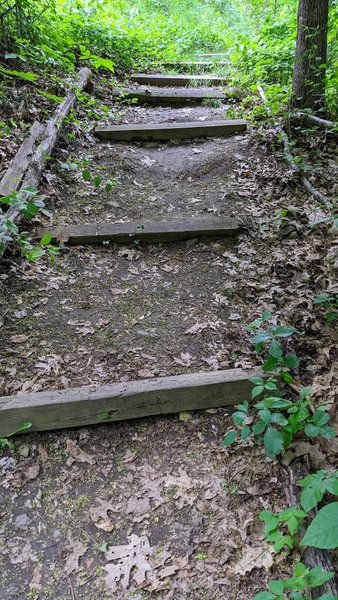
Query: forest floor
{"points": [[185, 508]]}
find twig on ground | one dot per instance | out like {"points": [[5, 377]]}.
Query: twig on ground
{"points": [[291, 161], [311, 119]]}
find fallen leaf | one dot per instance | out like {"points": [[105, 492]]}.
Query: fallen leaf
{"points": [[131, 562], [77, 549], [78, 454], [19, 339], [197, 328], [99, 515], [186, 360], [260, 557], [32, 472]]}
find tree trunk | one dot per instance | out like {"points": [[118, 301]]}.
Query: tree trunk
{"points": [[308, 89]]}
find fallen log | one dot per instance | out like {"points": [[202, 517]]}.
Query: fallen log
{"points": [[51, 134], [17, 168], [312, 120]]}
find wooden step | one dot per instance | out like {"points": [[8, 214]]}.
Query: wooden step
{"points": [[191, 64], [74, 407], [143, 231], [170, 131], [159, 80], [170, 96]]}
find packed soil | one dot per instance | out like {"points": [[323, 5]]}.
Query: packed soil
{"points": [[184, 508]]}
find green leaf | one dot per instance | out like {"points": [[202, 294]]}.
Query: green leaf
{"points": [[22, 427], [292, 525], [270, 364], [256, 391], [323, 531], [229, 438], [318, 577], [305, 392], [286, 377], [245, 433], [273, 442], [257, 380], [301, 569], [276, 586], [46, 239], [332, 484], [284, 332], [97, 180], [261, 337], [291, 361], [275, 349], [86, 175], [311, 495], [258, 428], [35, 254], [265, 596], [108, 187], [239, 417], [266, 315]]}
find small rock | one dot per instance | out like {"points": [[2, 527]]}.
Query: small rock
{"points": [[150, 334], [22, 521], [24, 451]]}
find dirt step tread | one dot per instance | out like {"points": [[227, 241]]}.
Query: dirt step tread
{"points": [[160, 79], [143, 231], [164, 96], [169, 131], [127, 400]]}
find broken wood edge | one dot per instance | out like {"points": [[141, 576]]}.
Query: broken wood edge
{"points": [[19, 163], [291, 161], [312, 557], [143, 231], [90, 405], [47, 144]]}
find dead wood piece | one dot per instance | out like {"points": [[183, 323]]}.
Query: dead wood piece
{"points": [[46, 146], [312, 557], [129, 400], [312, 120], [143, 231], [17, 168]]}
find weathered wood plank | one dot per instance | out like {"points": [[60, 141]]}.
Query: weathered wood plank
{"points": [[143, 231], [18, 166], [91, 405], [170, 131], [175, 96], [160, 80], [191, 64]]}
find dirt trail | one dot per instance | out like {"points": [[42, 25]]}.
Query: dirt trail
{"points": [[113, 313]]}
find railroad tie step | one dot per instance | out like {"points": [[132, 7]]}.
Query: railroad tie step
{"points": [[89, 405], [169, 96], [142, 231], [171, 131], [161, 80]]}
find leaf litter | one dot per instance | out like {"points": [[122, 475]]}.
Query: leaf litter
{"points": [[162, 489]]}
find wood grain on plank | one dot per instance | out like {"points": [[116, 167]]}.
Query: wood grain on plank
{"points": [[118, 401], [170, 131], [143, 231], [18, 166]]}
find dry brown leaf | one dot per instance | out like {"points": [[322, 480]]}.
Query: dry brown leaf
{"points": [[35, 582], [260, 557], [131, 562], [197, 328], [78, 454], [186, 360], [77, 549], [19, 339], [99, 515]]}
